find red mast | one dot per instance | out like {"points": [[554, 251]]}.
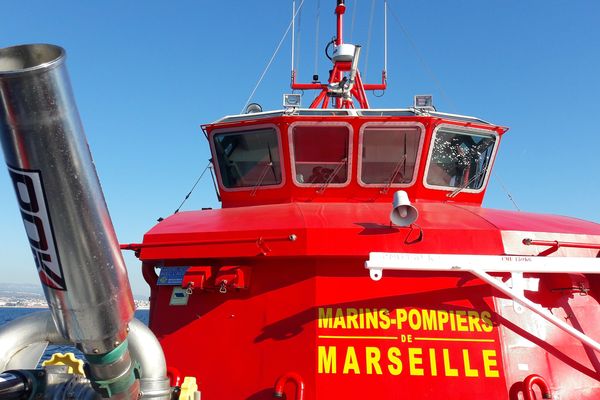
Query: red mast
{"points": [[345, 83]]}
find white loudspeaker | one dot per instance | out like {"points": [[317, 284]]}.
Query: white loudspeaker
{"points": [[403, 213]]}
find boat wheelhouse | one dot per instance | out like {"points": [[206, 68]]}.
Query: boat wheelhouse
{"points": [[351, 155]]}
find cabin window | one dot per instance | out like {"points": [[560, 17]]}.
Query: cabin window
{"points": [[460, 159], [321, 154], [389, 155], [249, 158]]}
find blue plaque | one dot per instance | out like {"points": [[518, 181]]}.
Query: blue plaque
{"points": [[171, 276]]}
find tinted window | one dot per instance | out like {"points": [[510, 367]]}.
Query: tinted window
{"points": [[389, 155], [321, 154], [248, 159], [460, 159]]}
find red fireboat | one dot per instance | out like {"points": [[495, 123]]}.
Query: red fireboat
{"points": [[352, 260]]}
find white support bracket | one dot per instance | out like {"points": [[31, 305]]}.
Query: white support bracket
{"points": [[519, 284], [480, 266]]}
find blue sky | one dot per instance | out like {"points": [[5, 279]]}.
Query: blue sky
{"points": [[147, 74]]}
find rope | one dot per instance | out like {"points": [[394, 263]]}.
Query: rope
{"points": [[272, 58]]}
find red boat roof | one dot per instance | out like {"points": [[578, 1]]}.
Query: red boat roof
{"points": [[526, 221], [315, 229], [391, 112]]}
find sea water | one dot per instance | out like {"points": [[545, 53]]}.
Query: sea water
{"points": [[9, 314]]}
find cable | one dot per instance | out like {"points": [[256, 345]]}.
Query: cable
{"points": [[316, 70], [355, 6], [369, 38], [506, 191], [214, 181], [331, 43], [421, 59], [193, 187], [272, 58], [299, 39]]}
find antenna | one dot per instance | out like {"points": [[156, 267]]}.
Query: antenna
{"points": [[345, 84], [385, 38], [293, 32]]}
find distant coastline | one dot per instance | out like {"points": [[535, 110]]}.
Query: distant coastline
{"points": [[41, 307], [26, 295], [45, 306]]}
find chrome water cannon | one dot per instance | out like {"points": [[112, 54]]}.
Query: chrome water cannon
{"points": [[65, 215]]}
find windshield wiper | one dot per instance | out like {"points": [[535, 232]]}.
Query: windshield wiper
{"points": [[263, 173], [470, 181], [477, 175], [395, 172], [333, 174]]}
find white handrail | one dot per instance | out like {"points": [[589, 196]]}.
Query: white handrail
{"points": [[509, 263], [480, 266]]}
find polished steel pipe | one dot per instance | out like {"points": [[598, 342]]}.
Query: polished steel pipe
{"points": [[14, 386], [23, 335], [63, 209], [19, 340]]}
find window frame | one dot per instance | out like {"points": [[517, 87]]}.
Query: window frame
{"points": [[468, 131], [321, 124], [243, 129], [390, 125]]}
